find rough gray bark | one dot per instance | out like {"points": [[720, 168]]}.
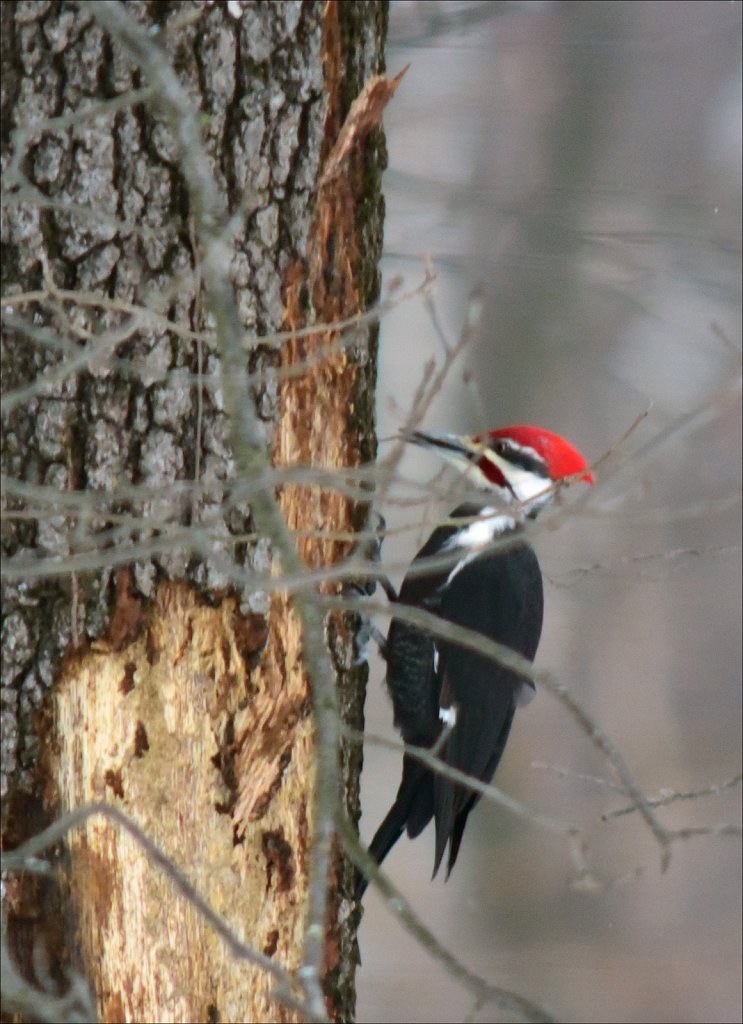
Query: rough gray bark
{"points": [[120, 481]]}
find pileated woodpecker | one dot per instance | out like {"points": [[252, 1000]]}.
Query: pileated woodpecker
{"points": [[492, 588]]}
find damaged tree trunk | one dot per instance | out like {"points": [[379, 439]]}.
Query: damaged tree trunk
{"points": [[151, 658]]}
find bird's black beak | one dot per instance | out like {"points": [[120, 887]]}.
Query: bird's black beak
{"points": [[456, 448]]}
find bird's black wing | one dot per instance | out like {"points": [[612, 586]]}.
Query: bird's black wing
{"points": [[501, 598], [414, 684]]}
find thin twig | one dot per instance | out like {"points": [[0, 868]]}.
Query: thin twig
{"points": [[673, 797], [485, 992], [18, 860]]}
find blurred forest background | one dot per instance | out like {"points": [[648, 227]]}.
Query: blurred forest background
{"points": [[580, 163]]}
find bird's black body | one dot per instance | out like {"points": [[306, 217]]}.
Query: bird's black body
{"points": [[499, 594]]}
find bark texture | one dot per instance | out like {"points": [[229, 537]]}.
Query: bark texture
{"points": [[141, 663]]}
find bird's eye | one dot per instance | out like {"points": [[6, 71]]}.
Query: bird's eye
{"points": [[501, 447]]}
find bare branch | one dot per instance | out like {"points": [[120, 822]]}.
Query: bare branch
{"points": [[673, 796]]}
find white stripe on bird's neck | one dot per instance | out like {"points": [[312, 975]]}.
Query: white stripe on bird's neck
{"points": [[488, 525], [476, 536]]}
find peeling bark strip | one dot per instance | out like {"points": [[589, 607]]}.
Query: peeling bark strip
{"points": [[365, 114], [315, 424], [323, 417]]}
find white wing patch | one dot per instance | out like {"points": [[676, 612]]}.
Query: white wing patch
{"points": [[448, 716]]}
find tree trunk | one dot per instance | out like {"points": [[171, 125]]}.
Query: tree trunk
{"points": [[150, 659]]}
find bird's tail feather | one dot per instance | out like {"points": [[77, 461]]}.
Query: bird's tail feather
{"points": [[413, 808]]}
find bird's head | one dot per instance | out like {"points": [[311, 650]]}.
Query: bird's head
{"points": [[521, 463]]}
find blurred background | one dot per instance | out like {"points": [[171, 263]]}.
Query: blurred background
{"points": [[580, 164]]}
